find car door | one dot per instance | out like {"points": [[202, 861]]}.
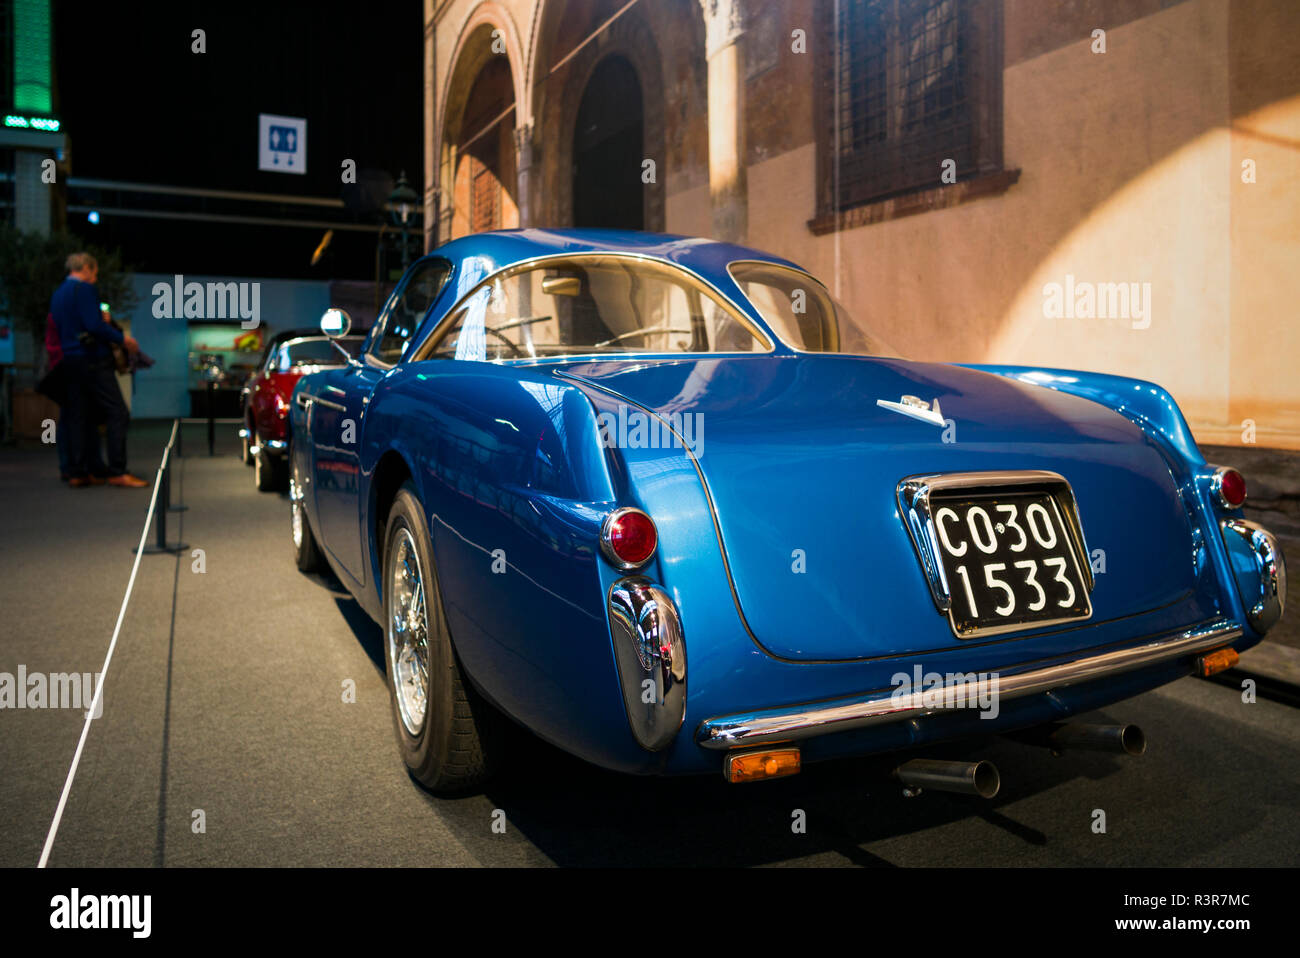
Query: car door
{"points": [[254, 382], [338, 410], [261, 399]]}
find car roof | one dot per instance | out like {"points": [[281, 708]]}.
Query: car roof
{"points": [[501, 248], [310, 332], [306, 332]]}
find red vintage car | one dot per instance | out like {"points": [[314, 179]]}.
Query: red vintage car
{"points": [[264, 435]]}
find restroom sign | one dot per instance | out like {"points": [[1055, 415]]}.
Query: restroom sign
{"points": [[281, 143]]}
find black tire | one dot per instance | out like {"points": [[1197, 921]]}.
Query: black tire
{"points": [[306, 551], [456, 746], [268, 471]]}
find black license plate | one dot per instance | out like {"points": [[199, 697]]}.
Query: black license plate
{"points": [[1009, 560]]}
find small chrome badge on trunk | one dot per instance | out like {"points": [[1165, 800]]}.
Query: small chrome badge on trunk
{"points": [[916, 408]]}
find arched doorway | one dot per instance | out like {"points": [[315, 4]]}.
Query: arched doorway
{"points": [[608, 149], [484, 180]]}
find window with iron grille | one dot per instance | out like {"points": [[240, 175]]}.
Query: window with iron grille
{"points": [[908, 84]]}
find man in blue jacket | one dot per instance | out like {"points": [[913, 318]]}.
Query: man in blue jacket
{"points": [[93, 393]]}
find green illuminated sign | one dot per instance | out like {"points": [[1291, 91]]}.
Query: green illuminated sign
{"points": [[45, 123], [31, 45]]}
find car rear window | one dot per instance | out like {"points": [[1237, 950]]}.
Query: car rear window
{"points": [[802, 313]]}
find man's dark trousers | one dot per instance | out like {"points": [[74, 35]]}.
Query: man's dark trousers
{"points": [[93, 394], [95, 456]]}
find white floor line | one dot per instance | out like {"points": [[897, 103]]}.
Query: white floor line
{"points": [[103, 674]]}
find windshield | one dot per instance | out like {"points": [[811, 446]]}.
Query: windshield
{"points": [[802, 313], [595, 304], [314, 352]]}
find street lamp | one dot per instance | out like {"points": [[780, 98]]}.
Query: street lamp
{"points": [[401, 203]]}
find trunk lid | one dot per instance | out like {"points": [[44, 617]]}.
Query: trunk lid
{"points": [[803, 467]]}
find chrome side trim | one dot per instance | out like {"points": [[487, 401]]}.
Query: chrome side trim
{"points": [[1265, 602], [915, 510], [650, 653], [791, 723]]}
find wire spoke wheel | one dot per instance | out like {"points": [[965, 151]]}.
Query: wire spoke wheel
{"points": [[295, 513], [447, 735], [408, 634]]}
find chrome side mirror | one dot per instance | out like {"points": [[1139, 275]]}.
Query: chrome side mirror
{"points": [[335, 322]]}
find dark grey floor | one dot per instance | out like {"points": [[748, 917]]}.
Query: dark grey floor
{"points": [[225, 696]]}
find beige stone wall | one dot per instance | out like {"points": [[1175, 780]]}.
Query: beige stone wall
{"points": [[1263, 362], [1130, 173]]}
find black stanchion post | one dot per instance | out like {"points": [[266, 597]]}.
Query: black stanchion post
{"points": [[180, 431], [212, 422], [160, 519], [164, 496]]}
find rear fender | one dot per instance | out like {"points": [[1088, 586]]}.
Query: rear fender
{"points": [[1154, 410], [514, 482], [1144, 403]]}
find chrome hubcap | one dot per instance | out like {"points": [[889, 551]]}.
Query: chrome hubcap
{"points": [[408, 633], [295, 513]]}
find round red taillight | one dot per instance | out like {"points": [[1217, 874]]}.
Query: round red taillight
{"points": [[1231, 487], [628, 538]]}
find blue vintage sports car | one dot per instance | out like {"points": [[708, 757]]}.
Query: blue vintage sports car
{"points": [[658, 500]]}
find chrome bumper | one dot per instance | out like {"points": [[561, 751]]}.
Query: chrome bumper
{"points": [[876, 708], [1260, 570]]}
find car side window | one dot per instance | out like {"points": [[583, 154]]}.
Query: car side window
{"points": [[410, 303]]}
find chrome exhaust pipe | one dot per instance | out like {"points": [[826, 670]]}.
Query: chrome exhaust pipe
{"points": [[966, 778], [1077, 736]]}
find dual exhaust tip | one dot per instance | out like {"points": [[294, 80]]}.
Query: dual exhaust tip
{"points": [[981, 778], [966, 778], [1073, 737]]}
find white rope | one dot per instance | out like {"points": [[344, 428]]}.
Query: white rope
{"points": [[117, 630]]}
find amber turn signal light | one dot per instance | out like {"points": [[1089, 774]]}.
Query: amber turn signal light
{"points": [[755, 766], [1219, 660]]}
